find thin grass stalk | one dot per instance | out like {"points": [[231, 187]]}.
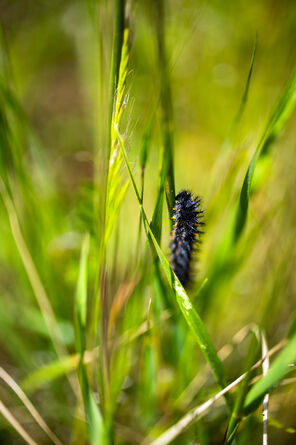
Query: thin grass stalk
{"points": [[143, 162], [28, 404], [115, 192], [95, 426], [16, 425], [188, 394], [237, 412], [99, 312], [166, 105], [265, 368], [198, 412], [118, 31], [35, 281], [245, 95]]}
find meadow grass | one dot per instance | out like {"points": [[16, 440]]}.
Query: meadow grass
{"points": [[100, 342]]}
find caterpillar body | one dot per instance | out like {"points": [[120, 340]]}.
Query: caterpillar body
{"points": [[185, 234]]}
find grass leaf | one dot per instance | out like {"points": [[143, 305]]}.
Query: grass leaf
{"points": [[278, 118], [277, 371], [93, 415], [237, 412], [191, 316]]}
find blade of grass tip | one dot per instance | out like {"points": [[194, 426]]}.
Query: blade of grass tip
{"points": [[278, 425], [16, 425], [114, 191], [191, 316], [30, 407], [118, 31], [237, 412], [117, 49], [166, 105], [265, 367], [219, 165], [275, 123], [50, 372], [247, 87], [93, 415], [57, 369], [276, 372]]}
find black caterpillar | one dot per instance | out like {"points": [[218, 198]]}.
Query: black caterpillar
{"points": [[187, 220]]}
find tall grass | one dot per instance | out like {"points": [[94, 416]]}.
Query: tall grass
{"points": [[101, 343]]}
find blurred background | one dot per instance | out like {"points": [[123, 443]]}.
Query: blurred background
{"points": [[55, 64]]}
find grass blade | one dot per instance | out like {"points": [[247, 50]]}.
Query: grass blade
{"points": [[237, 412], [198, 412], [81, 296], [191, 316], [28, 404], [276, 372], [265, 367], [115, 190], [247, 86], [34, 278], [118, 32], [93, 415], [16, 425], [278, 118], [166, 105], [50, 372]]}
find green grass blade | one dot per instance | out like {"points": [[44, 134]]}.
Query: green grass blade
{"points": [[237, 412], [32, 272], [166, 105], [247, 86], [94, 418], [276, 372], [277, 120], [93, 415], [81, 296], [156, 221], [118, 32], [191, 316], [48, 373], [115, 189], [143, 156], [165, 172]]}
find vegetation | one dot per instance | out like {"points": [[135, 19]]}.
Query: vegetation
{"points": [[107, 110]]}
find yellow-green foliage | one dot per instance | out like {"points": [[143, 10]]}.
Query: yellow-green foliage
{"points": [[99, 341]]}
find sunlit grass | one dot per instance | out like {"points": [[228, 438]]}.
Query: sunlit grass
{"points": [[100, 342]]}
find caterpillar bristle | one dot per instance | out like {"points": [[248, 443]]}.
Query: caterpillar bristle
{"points": [[185, 237]]}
